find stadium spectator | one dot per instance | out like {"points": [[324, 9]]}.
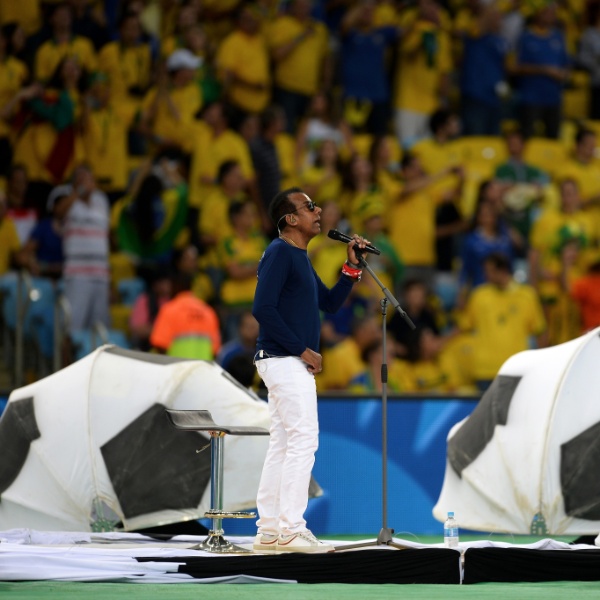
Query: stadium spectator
{"points": [[412, 219], [239, 255], [564, 317], [387, 266], [186, 326], [300, 52], [149, 222], [320, 123], [50, 142], [169, 108], [13, 75], [214, 224], [127, 64], [542, 67], [502, 315], [364, 57], [583, 167], [20, 208], [243, 344], [434, 364], [105, 123], [369, 379], [526, 185], [423, 69], [359, 191], [487, 235], [415, 301], [42, 254], [243, 64], [516, 169], [323, 180], [440, 150], [384, 155], [84, 211], [544, 263], [63, 43], [214, 143], [483, 76], [89, 21], [266, 160]]}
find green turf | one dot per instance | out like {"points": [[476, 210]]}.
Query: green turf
{"points": [[181, 591]]}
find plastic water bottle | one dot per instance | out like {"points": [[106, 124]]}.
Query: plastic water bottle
{"points": [[451, 531]]}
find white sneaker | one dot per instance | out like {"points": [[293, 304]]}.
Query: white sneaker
{"points": [[265, 542], [304, 541]]}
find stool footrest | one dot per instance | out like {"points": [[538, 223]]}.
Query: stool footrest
{"points": [[224, 514]]}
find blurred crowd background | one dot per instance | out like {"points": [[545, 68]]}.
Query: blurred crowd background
{"points": [[142, 140]]}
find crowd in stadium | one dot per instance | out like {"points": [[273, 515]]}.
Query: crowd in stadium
{"points": [[144, 139]]}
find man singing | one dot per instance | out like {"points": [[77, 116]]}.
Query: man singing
{"points": [[288, 298]]}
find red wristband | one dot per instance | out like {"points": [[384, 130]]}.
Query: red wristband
{"points": [[351, 271]]}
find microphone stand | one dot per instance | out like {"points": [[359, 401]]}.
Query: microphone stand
{"points": [[385, 537]]}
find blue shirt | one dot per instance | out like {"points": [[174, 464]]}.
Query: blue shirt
{"points": [[546, 50], [483, 68], [49, 249], [289, 295], [364, 75], [476, 248]]}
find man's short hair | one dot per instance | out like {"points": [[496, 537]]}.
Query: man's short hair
{"points": [[225, 168], [499, 261], [281, 205]]}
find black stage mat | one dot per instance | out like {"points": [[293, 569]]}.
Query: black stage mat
{"points": [[526, 565], [431, 565]]}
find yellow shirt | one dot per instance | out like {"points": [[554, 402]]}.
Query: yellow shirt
{"points": [[436, 157], [587, 177], [389, 185], [126, 67], [13, 74], [300, 71], [9, 243], [502, 322], [209, 153], [187, 101], [327, 257], [37, 143], [243, 252], [425, 55], [25, 12], [105, 141], [364, 203], [544, 238], [285, 146], [341, 364], [248, 57], [324, 187], [385, 14], [50, 54], [412, 228]]}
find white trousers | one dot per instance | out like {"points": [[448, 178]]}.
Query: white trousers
{"points": [[410, 126], [294, 437]]}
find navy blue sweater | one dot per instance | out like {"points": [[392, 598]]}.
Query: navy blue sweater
{"points": [[289, 295]]}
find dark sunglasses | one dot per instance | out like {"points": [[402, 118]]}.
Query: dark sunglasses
{"points": [[309, 204]]}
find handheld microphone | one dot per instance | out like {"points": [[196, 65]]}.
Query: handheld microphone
{"points": [[334, 234]]}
